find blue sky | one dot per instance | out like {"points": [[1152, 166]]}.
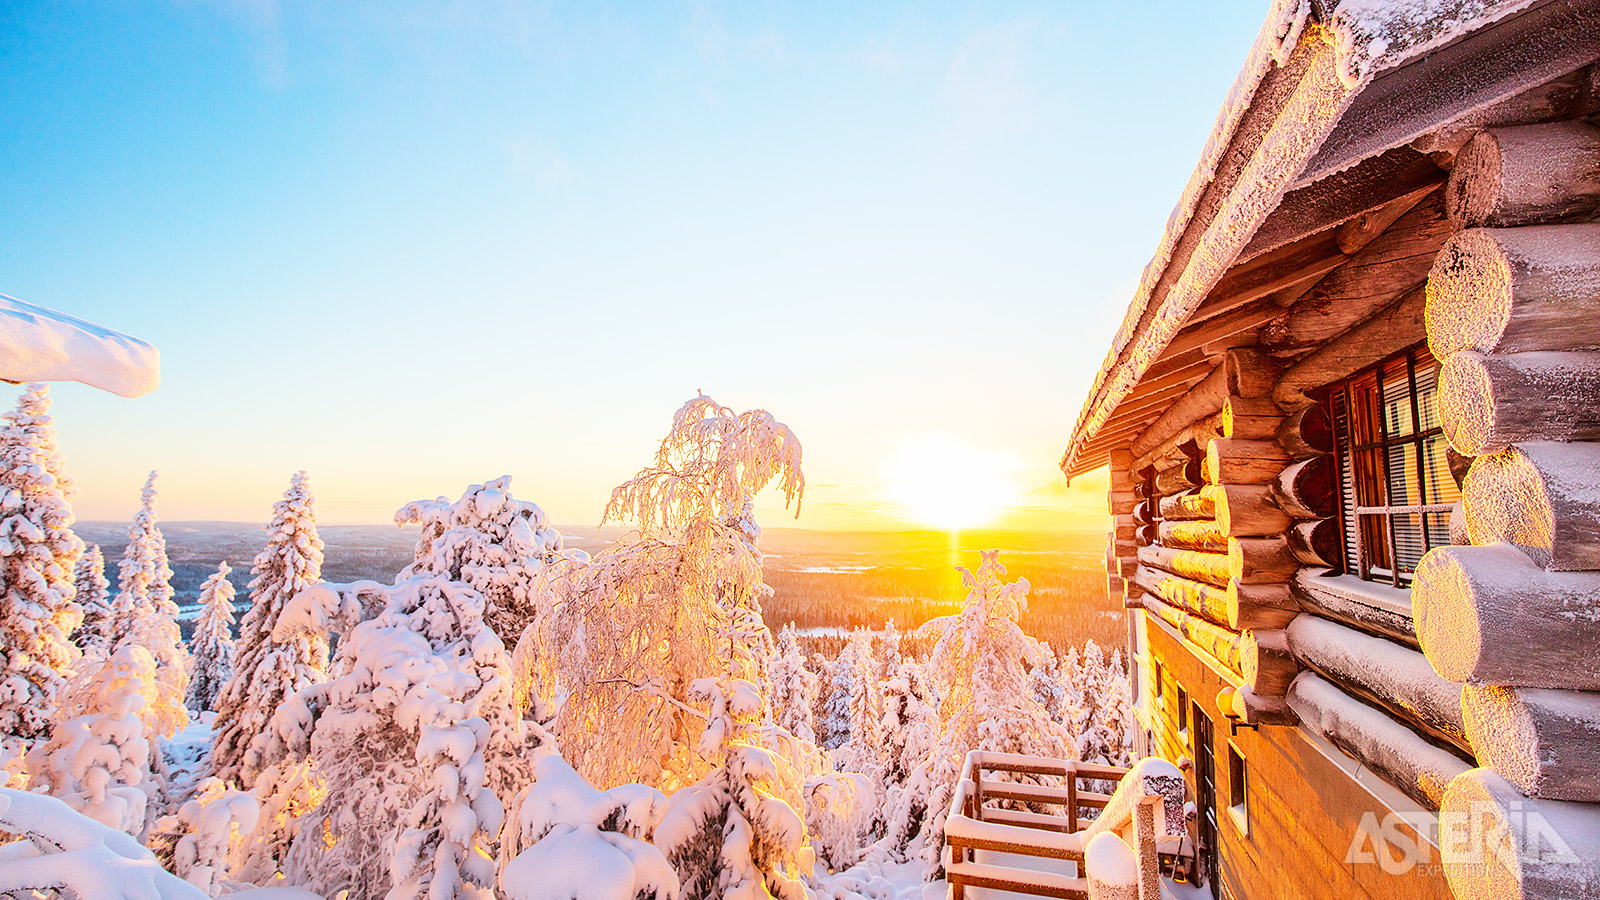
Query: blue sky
{"points": [[411, 246]]}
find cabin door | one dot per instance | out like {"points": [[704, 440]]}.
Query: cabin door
{"points": [[1205, 779]]}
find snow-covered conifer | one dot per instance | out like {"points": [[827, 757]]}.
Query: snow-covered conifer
{"points": [[94, 598], [144, 615], [1045, 681], [267, 671], [211, 648], [489, 540], [836, 715], [414, 742], [740, 831], [38, 552], [214, 822], [98, 757], [980, 667], [864, 708], [794, 687], [622, 636], [1110, 735]]}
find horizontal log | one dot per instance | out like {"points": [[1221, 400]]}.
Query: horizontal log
{"points": [[1488, 615], [1211, 568], [1265, 606], [1389, 331], [1247, 510], [1309, 488], [1394, 752], [1208, 637], [1316, 542], [1251, 418], [1209, 603], [1357, 233], [1396, 262], [1143, 514], [1252, 709], [1489, 402], [1327, 597], [1196, 535], [1120, 502], [1397, 678], [1261, 560], [1547, 743], [1243, 373], [1516, 289], [1526, 175], [1506, 846], [1179, 444], [1180, 477], [1241, 461], [1268, 665], [1188, 505], [1306, 432], [1542, 497]]}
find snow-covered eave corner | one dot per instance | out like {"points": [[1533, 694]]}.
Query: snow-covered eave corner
{"points": [[1371, 36], [1368, 37], [39, 344]]}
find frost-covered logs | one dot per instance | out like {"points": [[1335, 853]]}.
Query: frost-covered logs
{"points": [[211, 648], [267, 671], [487, 539], [38, 551]]}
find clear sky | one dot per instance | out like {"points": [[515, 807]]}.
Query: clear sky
{"points": [[409, 246]]}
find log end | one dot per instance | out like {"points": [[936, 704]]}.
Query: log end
{"points": [[1470, 196], [1502, 733], [1504, 499], [1503, 845], [1468, 302], [1467, 404], [1448, 627]]}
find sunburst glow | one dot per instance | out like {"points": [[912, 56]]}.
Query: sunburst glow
{"points": [[949, 484]]}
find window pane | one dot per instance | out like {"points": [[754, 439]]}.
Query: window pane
{"points": [[1369, 477], [1441, 485], [1374, 541], [1404, 485], [1397, 404], [1408, 547], [1427, 395], [1438, 529]]}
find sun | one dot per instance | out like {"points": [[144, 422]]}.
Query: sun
{"points": [[948, 484]]}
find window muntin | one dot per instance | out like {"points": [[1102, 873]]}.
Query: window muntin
{"points": [[1395, 477]]}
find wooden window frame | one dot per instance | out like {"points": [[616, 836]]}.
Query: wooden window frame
{"points": [[1364, 561]]}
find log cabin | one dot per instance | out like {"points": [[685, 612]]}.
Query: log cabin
{"points": [[1352, 425]]}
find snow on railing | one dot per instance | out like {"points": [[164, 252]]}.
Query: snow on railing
{"points": [[1146, 811]]}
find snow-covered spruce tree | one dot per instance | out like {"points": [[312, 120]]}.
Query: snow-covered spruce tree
{"points": [[980, 668], [836, 714], [864, 708], [910, 722], [1110, 735], [1094, 680], [98, 757], [794, 687], [94, 598], [213, 824], [266, 671], [1045, 682], [487, 539], [740, 831], [414, 741], [824, 669], [38, 552], [144, 615], [211, 648], [621, 637]]}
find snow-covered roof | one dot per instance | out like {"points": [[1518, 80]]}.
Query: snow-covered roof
{"points": [[1299, 79], [38, 344]]}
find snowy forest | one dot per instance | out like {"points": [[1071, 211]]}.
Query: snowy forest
{"points": [[510, 717]]}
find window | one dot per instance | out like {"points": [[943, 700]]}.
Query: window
{"points": [[1238, 789], [1156, 683], [1183, 714], [1395, 479]]}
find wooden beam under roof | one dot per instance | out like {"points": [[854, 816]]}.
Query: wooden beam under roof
{"points": [[1340, 198]]}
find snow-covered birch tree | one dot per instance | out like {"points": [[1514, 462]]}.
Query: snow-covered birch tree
{"points": [[267, 671], [620, 638], [38, 552], [211, 647]]}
